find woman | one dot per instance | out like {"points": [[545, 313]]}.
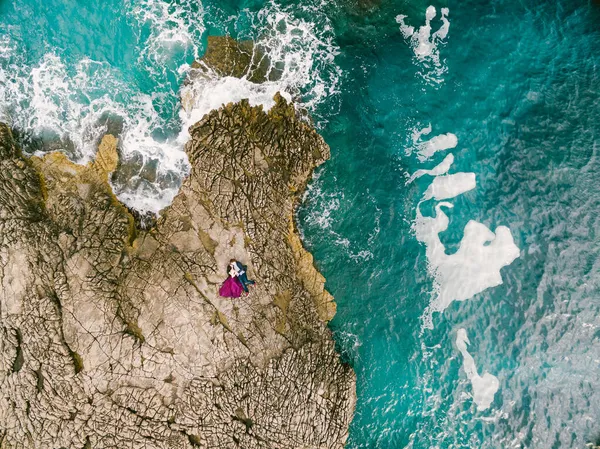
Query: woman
{"points": [[232, 287]]}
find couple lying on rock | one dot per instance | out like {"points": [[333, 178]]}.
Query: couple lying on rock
{"points": [[237, 281]]}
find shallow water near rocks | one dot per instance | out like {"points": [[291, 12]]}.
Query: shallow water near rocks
{"points": [[509, 89]]}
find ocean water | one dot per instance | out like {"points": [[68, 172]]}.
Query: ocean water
{"points": [[457, 220]]}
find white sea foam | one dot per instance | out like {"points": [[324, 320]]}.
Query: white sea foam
{"points": [[175, 33], [418, 133], [440, 169], [442, 142], [474, 268], [449, 186], [484, 387], [47, 99], [324, 218], [425, 44]]}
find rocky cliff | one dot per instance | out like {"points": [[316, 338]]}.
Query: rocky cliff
{"points": [[114, 337]]}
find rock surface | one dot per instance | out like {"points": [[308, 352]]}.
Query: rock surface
{"points": [[113, 337], [229, 57]]}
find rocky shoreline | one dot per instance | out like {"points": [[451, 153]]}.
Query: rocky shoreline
{"points": [[113, 336]]}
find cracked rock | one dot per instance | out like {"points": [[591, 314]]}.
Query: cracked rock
{"points": [[115, 337]]}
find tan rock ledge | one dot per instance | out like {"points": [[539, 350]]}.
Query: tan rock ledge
{"points": [[113, 337]]}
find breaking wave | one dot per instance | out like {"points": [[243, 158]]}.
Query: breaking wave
{"points": [[59, 104]]}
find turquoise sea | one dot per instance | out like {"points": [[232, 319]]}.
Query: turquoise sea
{"points": [[471, 326]]}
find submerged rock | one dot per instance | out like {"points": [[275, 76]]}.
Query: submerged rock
{"points": [[116, 337], [229, 57]]}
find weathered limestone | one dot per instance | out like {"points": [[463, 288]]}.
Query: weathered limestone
{"points": [[115, 337]]}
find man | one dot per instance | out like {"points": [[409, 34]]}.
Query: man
{"points": [[236, 269]]}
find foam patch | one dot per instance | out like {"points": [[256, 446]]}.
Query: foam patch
{"points": [[425, 44], [474, 268], [484, 387], [443, 142], [440, 169], [449, 186]]}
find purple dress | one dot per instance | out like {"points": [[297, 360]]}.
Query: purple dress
{"points": [[231, 288]]}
